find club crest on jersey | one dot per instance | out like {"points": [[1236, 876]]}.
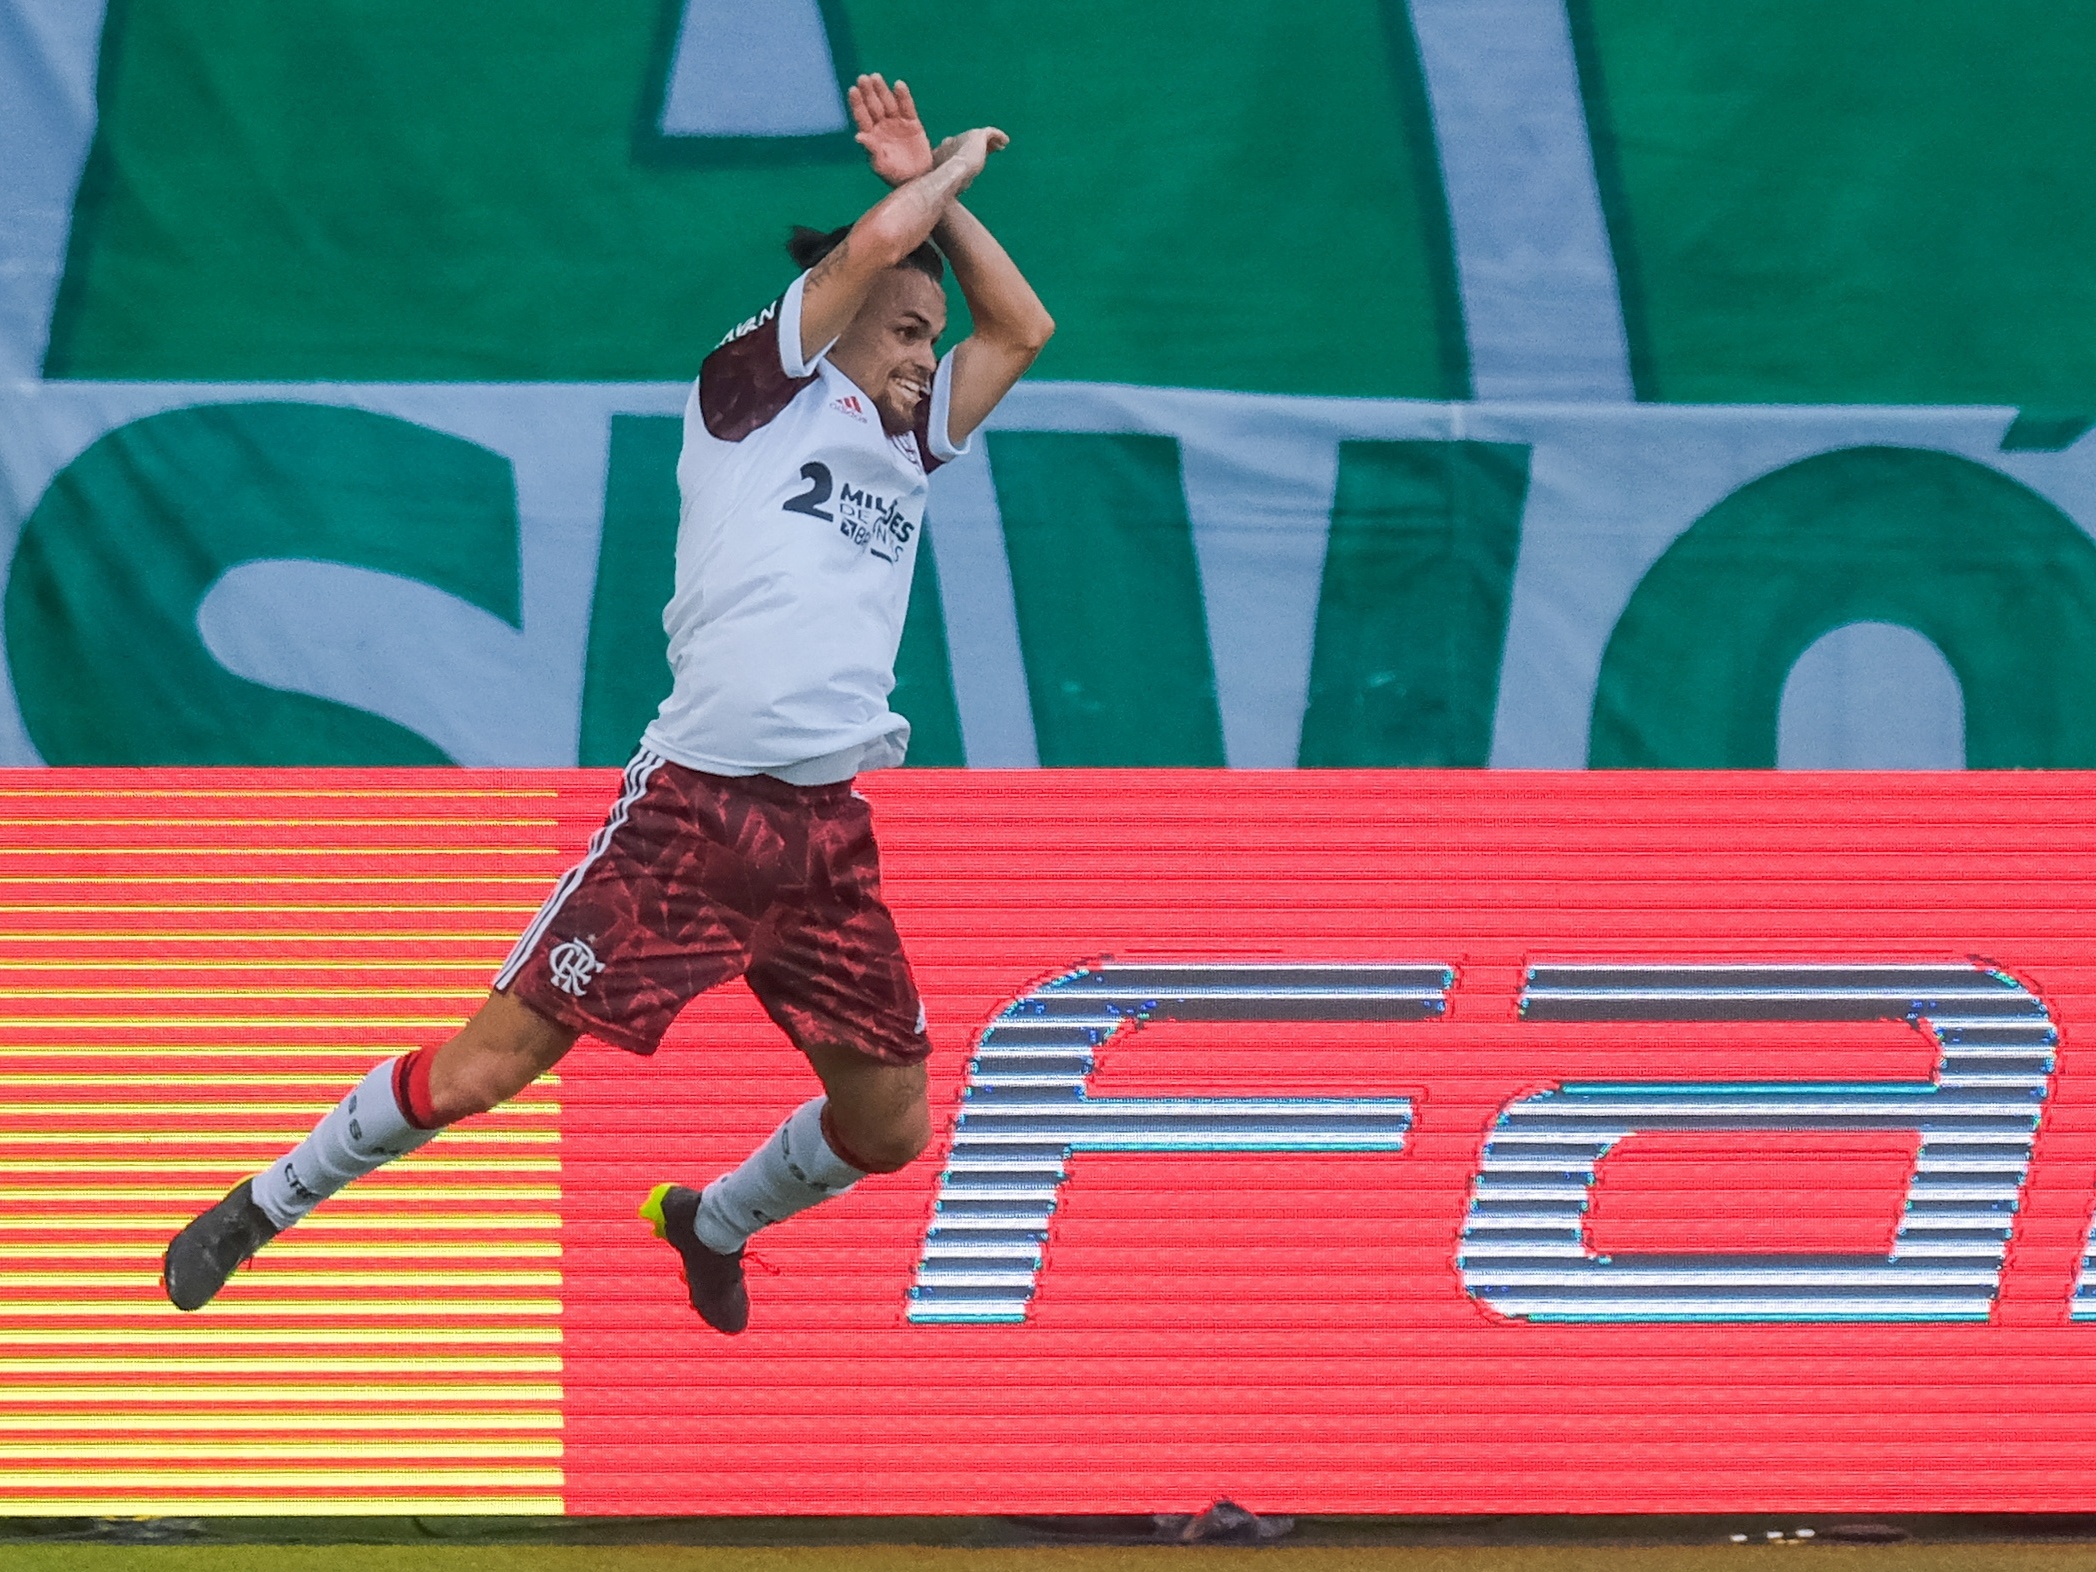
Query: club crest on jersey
{"points": [[850, 405], [574, 966]]}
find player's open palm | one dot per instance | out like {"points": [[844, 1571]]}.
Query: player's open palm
{"points": [[889, 129]]}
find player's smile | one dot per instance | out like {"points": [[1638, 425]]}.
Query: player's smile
{"points": [[899, 411]]}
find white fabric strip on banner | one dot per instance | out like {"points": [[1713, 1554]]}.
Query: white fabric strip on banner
{"points": [[1537, 277], [47, 119], [966, 536]]}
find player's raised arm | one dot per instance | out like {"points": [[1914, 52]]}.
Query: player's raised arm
{"points": [[1011, 324], [890, 230]]}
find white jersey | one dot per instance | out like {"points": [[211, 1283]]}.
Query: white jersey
{"points": [[796, 539]]}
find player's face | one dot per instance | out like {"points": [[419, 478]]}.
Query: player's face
{"points": [[889, 347]]}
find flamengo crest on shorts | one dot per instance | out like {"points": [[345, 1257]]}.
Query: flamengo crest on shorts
{"points": [[642, 765], [572, 965]]}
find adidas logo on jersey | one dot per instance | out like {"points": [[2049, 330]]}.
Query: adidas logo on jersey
{"points": [[850, 405]]}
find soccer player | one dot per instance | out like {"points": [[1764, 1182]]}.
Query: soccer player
{"points": [[737, 846]]}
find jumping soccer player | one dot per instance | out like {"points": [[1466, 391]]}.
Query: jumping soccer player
{"points": [[737, 846]]}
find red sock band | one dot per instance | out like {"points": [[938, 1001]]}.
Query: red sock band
{"points": [[411, 1088], [829, 1134]]}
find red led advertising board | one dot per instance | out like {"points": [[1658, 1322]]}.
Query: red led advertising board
{"points": [[1392, 1142]]}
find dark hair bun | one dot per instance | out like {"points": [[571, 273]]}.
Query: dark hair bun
{"points": [[809, 246]]}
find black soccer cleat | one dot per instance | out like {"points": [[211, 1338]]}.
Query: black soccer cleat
{"points": [[203, 1255], [714, 1280]]}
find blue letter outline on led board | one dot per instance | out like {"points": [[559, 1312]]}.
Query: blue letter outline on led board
{"points": [[1524, 1251], [1026, 1110]]}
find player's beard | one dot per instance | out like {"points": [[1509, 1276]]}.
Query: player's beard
{"points": [[899, 403]]}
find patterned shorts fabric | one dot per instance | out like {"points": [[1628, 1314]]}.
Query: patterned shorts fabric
{"points": [[697, 879]]}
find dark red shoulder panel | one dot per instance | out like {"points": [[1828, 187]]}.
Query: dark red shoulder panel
{"points": [[741, 384]]}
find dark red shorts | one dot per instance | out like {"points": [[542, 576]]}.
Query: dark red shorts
{"points": [[697, 879]]}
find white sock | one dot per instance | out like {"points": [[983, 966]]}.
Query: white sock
{"points": [[793, 1170], [366, 1130]]}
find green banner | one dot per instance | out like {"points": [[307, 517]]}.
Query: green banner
{"points": [[1437, 382]]}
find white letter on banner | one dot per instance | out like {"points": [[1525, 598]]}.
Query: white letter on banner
{"points": [[1524, 1251], [1026, 1111], [752, 68]]}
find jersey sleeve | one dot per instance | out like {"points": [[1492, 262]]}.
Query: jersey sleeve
{"points": [[934, 445], [757, 369]]}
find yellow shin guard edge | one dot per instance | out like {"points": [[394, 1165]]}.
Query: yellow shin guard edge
{"points": [[651, 1210]]}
